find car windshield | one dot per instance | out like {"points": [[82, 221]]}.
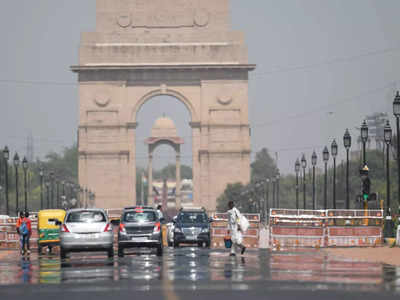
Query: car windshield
{"points": [[192, 217], [140, 216], [86, 217]]}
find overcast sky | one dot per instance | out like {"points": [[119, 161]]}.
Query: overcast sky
{"points": [[323, 65]]}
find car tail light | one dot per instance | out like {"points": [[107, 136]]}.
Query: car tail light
{"points": [[157, 227], [108, 228], [64, 228], [122, 228]]}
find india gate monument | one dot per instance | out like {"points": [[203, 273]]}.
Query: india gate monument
{"points": [[146, 48]]}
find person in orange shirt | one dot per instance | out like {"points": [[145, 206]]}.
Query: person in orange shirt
{"points": [[24, 229]]}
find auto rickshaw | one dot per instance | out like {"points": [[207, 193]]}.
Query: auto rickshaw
{"points": [[48, 230]]}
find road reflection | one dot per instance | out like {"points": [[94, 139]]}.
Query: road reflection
{"points": [[195, 268]]}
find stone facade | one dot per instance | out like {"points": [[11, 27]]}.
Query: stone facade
{"points": [[145, 48]]}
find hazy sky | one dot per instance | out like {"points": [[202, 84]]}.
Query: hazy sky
{"points": [[322, 66]]}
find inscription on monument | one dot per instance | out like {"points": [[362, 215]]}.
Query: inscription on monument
{"points": [[163, 14]]}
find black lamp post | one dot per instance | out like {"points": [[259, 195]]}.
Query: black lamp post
{"points": [[41, 174], [58, 193], [297, 169], [278, 177], [6, 155], [347, 145], [267, 195], [364, 139], [314, 163], [25, 167], [388, 140], [304, 166], [52, 189], [334, 152], [63, 187], [16, 165], [273, 192], [48, 194], [325, 157], [396, 112]]}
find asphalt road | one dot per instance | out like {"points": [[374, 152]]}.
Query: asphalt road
{"points": [[193, 273]]}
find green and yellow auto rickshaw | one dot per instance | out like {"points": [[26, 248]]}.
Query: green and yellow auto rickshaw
{"points": [[48, 230]]}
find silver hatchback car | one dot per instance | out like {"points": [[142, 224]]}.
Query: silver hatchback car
{"points": [[86, 230]]}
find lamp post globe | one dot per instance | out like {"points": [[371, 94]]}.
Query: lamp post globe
{"points": [[347, 146], [6, 153], [325, 157], [314, 159], [347, 139]]}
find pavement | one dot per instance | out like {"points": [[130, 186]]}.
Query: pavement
{"points": [[194, 273]]}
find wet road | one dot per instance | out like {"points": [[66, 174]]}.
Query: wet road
{"points": [[193, 273]]}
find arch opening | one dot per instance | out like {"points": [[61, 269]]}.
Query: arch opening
{"points": [[155, 142]]}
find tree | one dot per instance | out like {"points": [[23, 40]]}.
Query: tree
{"points": [[231, 193], [263, 166]]}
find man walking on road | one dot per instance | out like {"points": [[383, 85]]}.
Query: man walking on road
{"points": [[234, 229]]}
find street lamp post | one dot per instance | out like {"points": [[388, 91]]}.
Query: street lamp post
{"points": [[267, 195], [388, 140], [304, 166], [25, 167], [48, 194], [6, 155], [325, 156], [41, 174], [364, 139], [334, 152], [58, 193], [273, 192], [314, 163], [297, 169], [63, 187], [16, 165], [396, 112], [347, 145], [278, 177], [52, 189]]}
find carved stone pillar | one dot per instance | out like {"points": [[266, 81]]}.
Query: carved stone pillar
{"points": [[178, 181], [150, 199]]}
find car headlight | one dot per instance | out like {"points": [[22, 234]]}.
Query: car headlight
{"points": [[205, 230], [177, 229]]}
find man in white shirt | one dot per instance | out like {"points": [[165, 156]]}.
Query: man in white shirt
{"points": [[234, 229]]}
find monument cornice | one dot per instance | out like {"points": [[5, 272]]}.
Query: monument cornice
{"points": [[160, 67]]}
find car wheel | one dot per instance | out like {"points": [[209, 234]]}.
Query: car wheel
{"points": [[39, 248], [176, 245], [110, 252], [120, 252], [208, 244], [63, 253], [159, 250]]}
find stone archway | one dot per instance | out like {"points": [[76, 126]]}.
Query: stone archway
{"points": [[189, 53], [164, 133]]}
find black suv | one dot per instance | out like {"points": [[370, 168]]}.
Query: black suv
{"points": [[140, 227], [192, 226]]}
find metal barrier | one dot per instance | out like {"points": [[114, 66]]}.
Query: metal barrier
{"points": [[325, 228], [219, 229]]}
